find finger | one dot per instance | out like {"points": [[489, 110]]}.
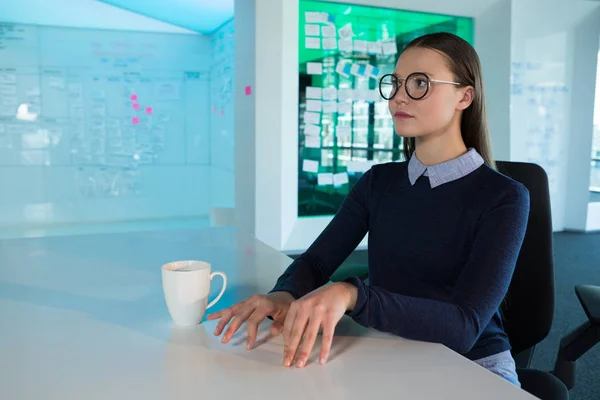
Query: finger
{"points": [[326, 340], [308, 341], [294, 334], [238, 319], [225, 316], [252, 325], [276, 328], [216, 315]]}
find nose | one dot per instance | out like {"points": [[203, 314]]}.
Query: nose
{"points": [[401, 96]]}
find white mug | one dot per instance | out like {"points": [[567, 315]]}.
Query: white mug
{"points": [[186, 285]]}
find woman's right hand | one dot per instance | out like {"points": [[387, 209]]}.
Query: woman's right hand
{"points": [[253, 311]]}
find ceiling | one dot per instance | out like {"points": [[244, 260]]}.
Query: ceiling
{"points": [[203, 16]]}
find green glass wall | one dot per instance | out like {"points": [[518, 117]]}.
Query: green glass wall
{"points": [[344, 125]]}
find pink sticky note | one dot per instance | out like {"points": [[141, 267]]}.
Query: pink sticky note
{"points": [[135, 120], [248, 90], [133, 97], [148, 110], [136, 106]]}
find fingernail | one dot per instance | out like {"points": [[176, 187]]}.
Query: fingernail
{"points": [[322, 360], [286, 362], [248, 346], [300, 364]]}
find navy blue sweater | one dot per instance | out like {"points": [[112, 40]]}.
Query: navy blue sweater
{"points": [[440, 259]]}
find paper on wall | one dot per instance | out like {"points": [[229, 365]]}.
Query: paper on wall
{"points": [[354, 69], [328, 30], [374, 48], [360, 166], [344, 107], [345, 94], [312, 130], [346, 31], [389, 47], [329, 43], [312, 29], [360, 46], [313, 105], [330, 93], [340, 179], [313, 92], [312, 43], [345, 45], [343, 131], [312, 118], [329, 107], [311, 16], [325, 179], [7, 90], [343, 68], [310, 166], [312, 142], [313, 68]]}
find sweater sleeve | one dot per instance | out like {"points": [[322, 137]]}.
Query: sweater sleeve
{"points": [[341, 236], [476, 296]]}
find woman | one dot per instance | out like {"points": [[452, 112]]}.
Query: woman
{"points": [[445, 228]]}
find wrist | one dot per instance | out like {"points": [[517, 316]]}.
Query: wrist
{"points": [[352, 293]]}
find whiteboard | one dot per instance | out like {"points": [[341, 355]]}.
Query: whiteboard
{"points": [[102, 125]]}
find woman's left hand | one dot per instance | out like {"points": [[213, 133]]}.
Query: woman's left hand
{"points": [[321, 308]]}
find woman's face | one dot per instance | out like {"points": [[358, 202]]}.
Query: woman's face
{"points": [[441, 105]]}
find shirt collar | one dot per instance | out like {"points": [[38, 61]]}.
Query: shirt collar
{"points": [[447, 171]]}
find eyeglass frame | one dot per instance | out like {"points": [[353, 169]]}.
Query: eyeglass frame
{"points": [[429, 80]]}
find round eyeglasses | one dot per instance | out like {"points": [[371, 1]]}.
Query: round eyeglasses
{"points": [[417, 85]]}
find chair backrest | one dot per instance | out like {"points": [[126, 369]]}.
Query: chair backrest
{"points": [[529, 305]]}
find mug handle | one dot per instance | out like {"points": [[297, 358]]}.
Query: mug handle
{"points": [[212, 303]]}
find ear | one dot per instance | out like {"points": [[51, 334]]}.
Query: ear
{"points": [[467, 95]]}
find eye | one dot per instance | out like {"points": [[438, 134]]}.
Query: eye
{"points": [[421, 83]]}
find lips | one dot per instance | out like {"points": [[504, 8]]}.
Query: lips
{"points": [[402, 115]]}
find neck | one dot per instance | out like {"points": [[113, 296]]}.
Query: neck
{"points": [[436, 148]]}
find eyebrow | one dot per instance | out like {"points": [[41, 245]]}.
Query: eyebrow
{"points": [[429, 74]]}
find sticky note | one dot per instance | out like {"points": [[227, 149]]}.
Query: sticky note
{"points": [[248, 90], [344, 107], [312, 16], [374, 48], [360, 46], [312, 29], [345, 94], [313, 105], [346, 31], [354, 69], [313, 92], [135, 120], [312, 142], [312, 130], [343, 131], [312, 43], [343, 68], [133, 97], [389, 47], [329, 43], [329, 107], [328, 31], [345, 45], [330, 93], [325, 179], [149, 110], [136, 106], [360, 166], [312, 118], [310, 166], [340, 179], [313, 68]]}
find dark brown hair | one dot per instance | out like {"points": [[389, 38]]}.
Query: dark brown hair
{"points": [[464, 63]]}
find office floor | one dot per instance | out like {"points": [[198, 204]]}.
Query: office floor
{"points": [[577, 260]]}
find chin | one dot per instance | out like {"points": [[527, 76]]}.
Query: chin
{"points": [[409, 134]]}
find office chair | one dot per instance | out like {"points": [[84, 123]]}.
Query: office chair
{"points": [[528, 308]]}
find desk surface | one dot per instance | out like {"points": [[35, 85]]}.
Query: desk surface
{"points": [[83, 317]]}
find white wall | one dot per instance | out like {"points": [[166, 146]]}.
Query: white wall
{"points": [[80, 14], [266, 123], [554, 62]]}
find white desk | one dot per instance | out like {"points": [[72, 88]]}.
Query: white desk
{"points": [[83, 317]]}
